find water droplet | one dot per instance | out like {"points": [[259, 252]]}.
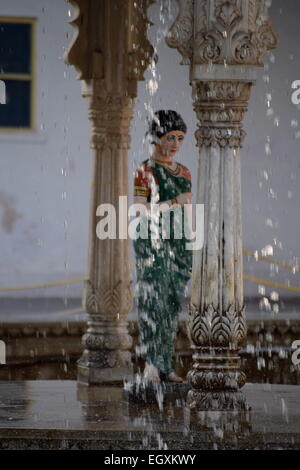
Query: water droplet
{"points": [[284, 409], [152, 86], [274, 296], [297, 135], [267, 251], [269, 223], [275, 308], [261, 363], [294, 123], [272, 193], [268, 97], [261, 290], [268, 149]]}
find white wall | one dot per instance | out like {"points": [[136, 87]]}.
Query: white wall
{"points": [[32, 209], [38, 168]]}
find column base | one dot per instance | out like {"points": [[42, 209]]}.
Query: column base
{"points": [[217, 400], [107, 368]]}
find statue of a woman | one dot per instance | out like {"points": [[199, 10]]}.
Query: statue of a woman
{"points": [[163, 264]]}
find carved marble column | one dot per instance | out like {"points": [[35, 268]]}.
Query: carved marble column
{"points": [[111, 51], [222, 42]]}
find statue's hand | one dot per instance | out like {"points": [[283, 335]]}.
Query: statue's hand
{"points": [[184, 198]]}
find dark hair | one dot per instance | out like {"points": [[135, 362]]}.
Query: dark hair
{"points": [[166, 121]]}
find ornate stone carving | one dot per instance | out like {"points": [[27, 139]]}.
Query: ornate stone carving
{"points": [[111, 51], [220, 400], [106, 361], [220, 107], [181, 33], [222, 91], [211, 327], [218, 31], [96, 54], [217, 324], [211, 137], [108, 299], [110, 115], [215, 380], [141, 51], [83, 44], [103, 299]]}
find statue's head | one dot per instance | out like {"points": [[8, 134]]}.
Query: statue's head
{"points": [[167, 131]]}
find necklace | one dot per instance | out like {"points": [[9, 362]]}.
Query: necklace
{"points": [[162, 161], [174, 170]]}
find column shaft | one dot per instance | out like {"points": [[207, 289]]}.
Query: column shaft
{"points": [[217, 321]]}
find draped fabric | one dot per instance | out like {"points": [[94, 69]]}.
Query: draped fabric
{"points": [[163, 264]]}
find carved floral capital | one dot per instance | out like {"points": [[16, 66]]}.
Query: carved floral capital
{"points": [[234, 32], [220, 106], [211, 327]]}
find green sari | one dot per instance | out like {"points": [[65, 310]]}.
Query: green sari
{"points": [[163, 270]]}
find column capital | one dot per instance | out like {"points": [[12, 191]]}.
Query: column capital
{"points": [[235, 32], [110, 114], [220, 106]]}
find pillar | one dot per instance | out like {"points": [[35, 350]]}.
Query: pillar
{"points": [[222, 42], [110, 50]]}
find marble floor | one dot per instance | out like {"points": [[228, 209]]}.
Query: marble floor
{"points": [[65, 414]]}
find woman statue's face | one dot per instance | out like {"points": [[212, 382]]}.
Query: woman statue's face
{"points": [[171, 142]]}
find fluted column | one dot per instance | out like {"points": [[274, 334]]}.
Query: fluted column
{"points": [[108, 294], [110, 51], [222, 42], [217, 321]]}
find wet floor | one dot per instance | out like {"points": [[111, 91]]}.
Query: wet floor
{"points": [[65, 413]]}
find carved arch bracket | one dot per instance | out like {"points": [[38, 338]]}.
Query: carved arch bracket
{"points": [[110, 42]]}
